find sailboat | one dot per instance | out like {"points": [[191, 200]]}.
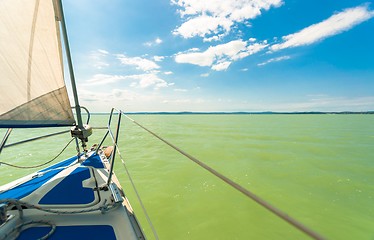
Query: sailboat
{"points": [[77, 198]]}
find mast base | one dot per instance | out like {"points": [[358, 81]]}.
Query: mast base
{"points": [[82, 134]]}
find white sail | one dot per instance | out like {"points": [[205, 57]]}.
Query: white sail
{"points": [[32, 88]]}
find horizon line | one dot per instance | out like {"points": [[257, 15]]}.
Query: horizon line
{"points": [[245, 112]]}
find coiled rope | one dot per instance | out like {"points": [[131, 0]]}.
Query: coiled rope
{"points": [[19, 204], [298, 225], [18, 229]]}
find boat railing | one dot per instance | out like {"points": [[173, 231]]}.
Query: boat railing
{"points": [[88, 113], [114, 138]]}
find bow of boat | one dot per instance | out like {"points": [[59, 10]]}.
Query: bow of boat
{"points": [[69, 200]]}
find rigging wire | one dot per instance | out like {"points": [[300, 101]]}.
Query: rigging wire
{"points": [[2, 144], [36, 138], [238, 187], [39, 165], [135, 190], [139, 199]]}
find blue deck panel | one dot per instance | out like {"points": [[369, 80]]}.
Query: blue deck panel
{"points": [[94, 161], [70, 190], [28, 187], [64, 163], [92, 232]]}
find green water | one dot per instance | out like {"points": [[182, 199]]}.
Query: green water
{"points": [[318, 169]]}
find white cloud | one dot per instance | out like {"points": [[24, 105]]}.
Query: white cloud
{"points": [[195, 102], [213, 19], [158, 58], [180, 90], [98, 58], [155, 42], [140, 63], [220, 57], [204, 75], [124, 99], [168, 73], [336, 24], [252, 40], [328, 103], [101, 79], [203, 59], [214, 38], [194, 50], [148, 80], [274, 60], [202, 26], [158, 41], [140, 80], [104, 52], [221, 66]]}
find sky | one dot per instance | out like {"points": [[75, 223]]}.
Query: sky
{"points": [[222, 55]]}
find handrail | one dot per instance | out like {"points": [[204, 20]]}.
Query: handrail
{"points": [[109, 131], [88, 113], [116, 149], [114, 140]]}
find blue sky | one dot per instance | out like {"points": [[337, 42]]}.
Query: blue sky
{"points": [[223, 55]]}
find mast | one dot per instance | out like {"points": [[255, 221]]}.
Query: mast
{"points": [[70, 63], [79, 131]]}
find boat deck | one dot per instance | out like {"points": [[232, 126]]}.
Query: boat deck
{"points": [[73, 196]]}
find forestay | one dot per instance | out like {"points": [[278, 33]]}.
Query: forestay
{"points": [[32, 88]]}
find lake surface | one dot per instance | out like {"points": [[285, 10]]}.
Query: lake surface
{"points": [[319, 169]]}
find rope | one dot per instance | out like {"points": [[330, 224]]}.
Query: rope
{"points": [[19, 227], [137, 194], [40, 165], [238, 187], [104, 208]]}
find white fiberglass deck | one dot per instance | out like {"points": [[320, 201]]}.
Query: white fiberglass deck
{"points": [[75, 197]]}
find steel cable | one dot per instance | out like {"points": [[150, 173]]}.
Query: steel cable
{"points": [[137, 193]]}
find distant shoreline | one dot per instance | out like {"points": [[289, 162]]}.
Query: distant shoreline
{"points": [[237, 113]]}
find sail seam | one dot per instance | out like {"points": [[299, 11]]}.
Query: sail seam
{"points": [[31, 47]]}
